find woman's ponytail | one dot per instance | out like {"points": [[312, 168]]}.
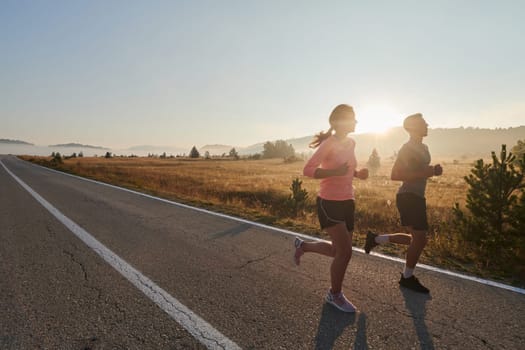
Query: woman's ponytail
{"points": [[319, 138]]}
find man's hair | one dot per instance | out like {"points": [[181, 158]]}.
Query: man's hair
{"points": [[413, 121]]}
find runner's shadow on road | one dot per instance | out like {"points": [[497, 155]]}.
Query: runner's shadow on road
{"points": [[234, 231], [416, 305], [332, 325]]}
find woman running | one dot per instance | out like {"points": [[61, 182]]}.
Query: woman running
{"points": [[335, 164]]}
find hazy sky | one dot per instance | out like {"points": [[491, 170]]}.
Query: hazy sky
{"points": [[181, 73]]}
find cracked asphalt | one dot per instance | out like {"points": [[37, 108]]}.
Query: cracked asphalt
{"points": [[56, 293]]}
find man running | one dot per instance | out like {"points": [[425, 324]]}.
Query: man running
{"points": [[413, 168]]}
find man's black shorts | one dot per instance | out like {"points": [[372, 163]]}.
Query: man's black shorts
{"points": [[331, 213], [413, 210]]}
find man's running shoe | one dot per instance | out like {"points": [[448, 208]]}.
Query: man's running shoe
{"points": [[413, 283], [339, 301], [298, 243], [370, 241]]}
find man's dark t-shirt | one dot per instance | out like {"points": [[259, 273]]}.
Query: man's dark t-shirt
{"points": [[413, 157]]}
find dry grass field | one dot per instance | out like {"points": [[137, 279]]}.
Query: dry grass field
{"points": [[257, 190]]}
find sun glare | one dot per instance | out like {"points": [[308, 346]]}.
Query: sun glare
{"points": [[377, 119]]}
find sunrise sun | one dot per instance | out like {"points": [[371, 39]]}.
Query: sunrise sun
{"points": [[377, 119]]}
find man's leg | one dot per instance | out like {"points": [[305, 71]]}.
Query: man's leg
{"points": [[408, 280], [419, 241], [373, 240]]}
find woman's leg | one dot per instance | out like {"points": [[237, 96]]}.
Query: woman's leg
{"points": [[342, 244], [301, 247], [323, 248]]}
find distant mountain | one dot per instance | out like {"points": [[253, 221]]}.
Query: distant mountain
{"points": [[257, 148], [78, 145], [15, 142], [456, 143]]}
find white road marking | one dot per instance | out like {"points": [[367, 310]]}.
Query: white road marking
{"points": [[195, 325], [295, 234]]}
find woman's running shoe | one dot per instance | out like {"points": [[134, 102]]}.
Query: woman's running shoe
{"points": [[339, 301]]}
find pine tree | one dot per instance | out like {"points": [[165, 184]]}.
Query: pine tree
{"points": [[233, 154], [194, 153], [518, 221], [495, 201], [519, 149], [374, 162], [298, 198]]}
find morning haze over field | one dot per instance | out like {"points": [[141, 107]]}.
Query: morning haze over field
{"points": [[461, 144]]}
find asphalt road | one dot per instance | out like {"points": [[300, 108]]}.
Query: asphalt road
{"points": [[57, 293]]}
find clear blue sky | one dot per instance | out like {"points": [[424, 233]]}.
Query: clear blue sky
{"points": [[124, 73]]}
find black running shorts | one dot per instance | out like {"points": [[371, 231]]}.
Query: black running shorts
{"points": [[412, 210], [331, 213]]}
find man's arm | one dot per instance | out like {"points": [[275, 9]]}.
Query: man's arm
{"points": [[401, 173]]}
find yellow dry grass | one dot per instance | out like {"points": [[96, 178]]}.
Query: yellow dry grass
{"points": [[225, 182]]}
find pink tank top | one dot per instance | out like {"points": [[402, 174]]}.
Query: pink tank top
{"points": [[331, 154]]}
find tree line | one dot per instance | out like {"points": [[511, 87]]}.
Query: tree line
{"points": [[277, 149]]}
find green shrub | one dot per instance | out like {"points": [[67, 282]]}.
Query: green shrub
{"points": [[495, 218]]}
